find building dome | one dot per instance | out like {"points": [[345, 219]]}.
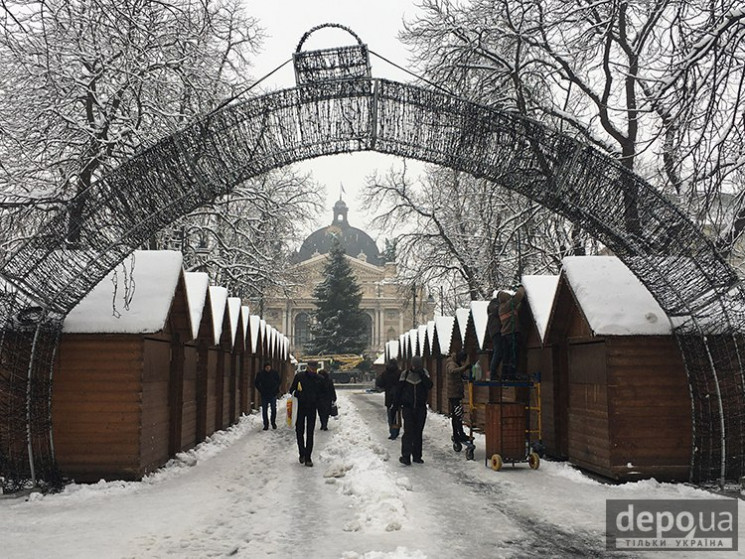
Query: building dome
{"points": [[356, 242]]}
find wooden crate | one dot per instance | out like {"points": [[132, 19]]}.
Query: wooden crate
{"points": [[505, 431]]}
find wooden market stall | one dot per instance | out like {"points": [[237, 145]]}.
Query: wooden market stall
{"points": [[237, 348], [119, 372], [218, 363], [540, 293], [441, 347], [628, 404]]}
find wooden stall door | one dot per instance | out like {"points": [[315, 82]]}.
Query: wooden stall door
{"points": [[589, 438]]}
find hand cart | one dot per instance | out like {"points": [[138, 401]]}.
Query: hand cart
{"points": [[512, 428]]}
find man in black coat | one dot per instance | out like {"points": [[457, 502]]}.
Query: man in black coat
{"points": [[413, 389], [267, 383], [307, 387], [388, 381], [327, 398]]}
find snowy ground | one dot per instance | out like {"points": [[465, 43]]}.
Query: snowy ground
{"points": [[243, 493]]}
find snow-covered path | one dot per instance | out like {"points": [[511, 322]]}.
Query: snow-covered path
{"points": [[243, 493]]}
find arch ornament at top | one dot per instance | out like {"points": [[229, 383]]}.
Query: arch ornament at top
{"points": [[331, 64]]}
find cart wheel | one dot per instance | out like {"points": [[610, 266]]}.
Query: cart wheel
{"points": [[496, 462], [534, 460], [457, 446], [469, 453]]}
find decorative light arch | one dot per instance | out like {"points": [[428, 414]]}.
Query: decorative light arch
{"points": [[337, 107]]}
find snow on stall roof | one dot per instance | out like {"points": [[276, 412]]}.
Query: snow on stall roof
{"points": [[412, 339], [134, 298], [234, 313], [421, 338], [272, 339], [196, 294], [480, 318], [461, 317], [402, 344], [255, 331], [430, 334], [541, 291], [444, 331], [380, 360], [246, 316], [218, 299], [392, 349], [262, 329], [612, 299]]}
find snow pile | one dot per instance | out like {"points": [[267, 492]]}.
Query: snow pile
{"points": [[357, 464]]}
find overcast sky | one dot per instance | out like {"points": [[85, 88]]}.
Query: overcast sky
{"points": [[377, 24]]}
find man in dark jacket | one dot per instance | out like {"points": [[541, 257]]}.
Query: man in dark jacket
{"points": [[494, 327], [267, 383], [413, 388], [307, 387], [455, 367], [326, 399], [388, 381]]}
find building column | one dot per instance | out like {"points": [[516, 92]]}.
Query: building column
{"points": [[381, 325]]}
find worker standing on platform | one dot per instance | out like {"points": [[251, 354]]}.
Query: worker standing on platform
{"points": [[456, 368], [509, 316]]}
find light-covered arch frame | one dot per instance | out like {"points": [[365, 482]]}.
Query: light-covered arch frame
{"points": [[343, 113]]}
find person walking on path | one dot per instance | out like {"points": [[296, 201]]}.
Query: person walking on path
{"points": [[307, 387], [327, 398], [455, 367], [267, 383], [413, 388], [388, 382], [494, 327], [509, 316]]}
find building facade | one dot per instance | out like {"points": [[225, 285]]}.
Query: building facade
{"points": [[387, 303]]}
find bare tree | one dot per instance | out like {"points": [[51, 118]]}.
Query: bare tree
{"points": [[243, 240], [658, 84], [86, 84], [466, 235]]}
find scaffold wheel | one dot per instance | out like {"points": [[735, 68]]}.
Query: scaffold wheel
{"points": [[496, 462], [534, 461]]}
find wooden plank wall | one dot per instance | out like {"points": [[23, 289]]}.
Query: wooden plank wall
{"points": [[440, 402], [256, 363], [505, 431], [155, 427], [245, 382], [203, 389], [589, 441], [224, 396], [232, 389], [189, 411], [430, 364], [649, 408], [211, 388], [97, 406]]}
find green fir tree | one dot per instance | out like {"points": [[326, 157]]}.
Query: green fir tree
{"points": [[340, 325]]}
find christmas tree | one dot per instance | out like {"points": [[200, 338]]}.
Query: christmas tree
{"points": [[340, 325]]}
